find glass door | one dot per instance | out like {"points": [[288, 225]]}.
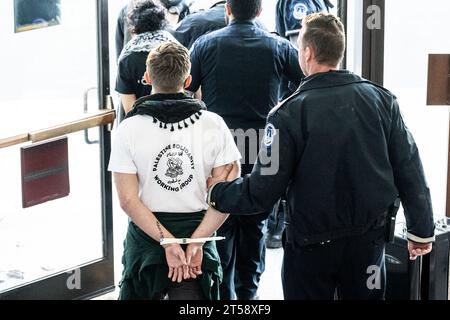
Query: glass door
{"points": [[55, 83]]}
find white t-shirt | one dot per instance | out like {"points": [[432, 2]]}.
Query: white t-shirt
{"points": [[172, 167]]}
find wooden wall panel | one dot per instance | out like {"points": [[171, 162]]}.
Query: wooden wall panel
{"points": [[438, 79]]}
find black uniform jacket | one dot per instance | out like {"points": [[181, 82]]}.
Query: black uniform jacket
{"points": [[341, 152], [290, 14]]}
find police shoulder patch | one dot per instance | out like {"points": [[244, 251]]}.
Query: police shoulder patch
{"points": [[300, 11], [269, 134]]}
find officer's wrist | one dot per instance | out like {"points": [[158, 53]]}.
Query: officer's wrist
{"points": [[210, 201]]}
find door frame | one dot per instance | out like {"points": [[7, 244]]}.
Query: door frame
{"points": [[97, 277], [373, 44]]}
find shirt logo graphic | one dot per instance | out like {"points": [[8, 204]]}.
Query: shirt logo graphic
{"points": [[300, 11], [174, 167]]}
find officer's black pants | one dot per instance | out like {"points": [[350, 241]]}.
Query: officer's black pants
{"points": [[353, 267], [242, 256]]}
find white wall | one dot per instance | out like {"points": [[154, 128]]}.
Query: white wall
{"points": [[412, 32]]}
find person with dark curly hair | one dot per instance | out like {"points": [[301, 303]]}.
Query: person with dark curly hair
{"points": [[176, 11], [148, 22]]}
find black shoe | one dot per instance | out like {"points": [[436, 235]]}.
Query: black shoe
{"points": [[273, 241]]}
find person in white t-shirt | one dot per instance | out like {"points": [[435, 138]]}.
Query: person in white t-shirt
{"points": [[163, 153]]}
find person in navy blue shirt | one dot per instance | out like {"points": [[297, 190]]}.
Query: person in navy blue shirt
{"points": [[202, 22], [238, 69]]}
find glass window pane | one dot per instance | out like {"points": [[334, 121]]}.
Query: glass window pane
{"points": [[56, 235], [46, 74]]}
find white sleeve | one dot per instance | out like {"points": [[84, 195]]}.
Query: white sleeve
{"points": [[227, 149], [121, 160]]}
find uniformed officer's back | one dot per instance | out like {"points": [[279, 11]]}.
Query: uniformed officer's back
{"points": [[340, 151], [239, 68], [341, 138]]}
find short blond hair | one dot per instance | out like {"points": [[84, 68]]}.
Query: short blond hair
{"points": [[169, 66], [325, 33]]}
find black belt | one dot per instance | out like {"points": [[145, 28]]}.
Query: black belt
{"points": [[379, 223]]}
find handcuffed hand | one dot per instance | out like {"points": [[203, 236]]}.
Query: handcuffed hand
{"points": [[184, 265], [418, 249], [194, 258], [176, 261]]}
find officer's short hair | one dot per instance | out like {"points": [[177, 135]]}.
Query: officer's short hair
{"points": [[146, 16], [325, 33], [169, 66], [245, 9]]}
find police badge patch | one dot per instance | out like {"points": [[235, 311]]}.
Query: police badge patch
{"points": [[300, 11], [269, 134]]}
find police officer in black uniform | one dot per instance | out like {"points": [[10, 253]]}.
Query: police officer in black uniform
{"points": [[342, 155], [238, 69], [288, 22], [289, 16]]}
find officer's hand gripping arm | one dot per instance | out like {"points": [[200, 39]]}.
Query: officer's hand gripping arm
{"points": [[274, 169]]}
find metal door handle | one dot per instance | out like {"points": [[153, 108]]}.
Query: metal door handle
{"points": [[86, 110]]}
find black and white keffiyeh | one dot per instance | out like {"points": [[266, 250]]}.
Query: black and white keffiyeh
{"points": [[171, 110], [146, 42]]}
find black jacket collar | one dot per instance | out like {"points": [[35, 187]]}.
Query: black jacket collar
{"points": [[242, 22], [324, 80], [332, 78]]}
